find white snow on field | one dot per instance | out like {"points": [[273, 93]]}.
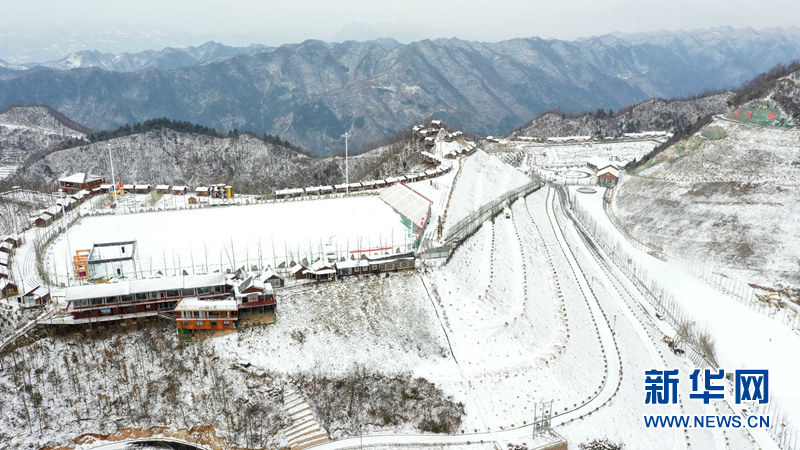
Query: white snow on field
{"points": [[577, 154], [481, 179], [206, 240]]}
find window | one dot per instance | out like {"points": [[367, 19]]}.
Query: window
{"points": [[173, 293], [213, 323], [187, 292], [119, 271], [199, 323], [196, 314], [226, 322], [80, 303], [156, 295], [186, 314], [148, 306], [184, 323], [203, 290], [96, 301], [126, 298], [213, 314], [374, 268], [141, 296], [217, 289], [110, 300]]}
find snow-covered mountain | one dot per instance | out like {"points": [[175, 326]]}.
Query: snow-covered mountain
{"points": [[166, 59], [28, 129], [729, 195], [312, 92], [248, 163], [656, 114]]}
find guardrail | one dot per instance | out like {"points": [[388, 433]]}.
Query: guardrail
{"points": [[466, 226]]}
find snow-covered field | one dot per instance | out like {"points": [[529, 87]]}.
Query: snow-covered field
{"points": [[481, 179], [577, 154], [209, 239]]}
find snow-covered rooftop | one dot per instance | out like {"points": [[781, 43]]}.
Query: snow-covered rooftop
{"points": [[147, 285], [80, 178], [407, 202], [195, 304]]}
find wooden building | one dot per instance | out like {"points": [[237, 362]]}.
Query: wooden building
{"points": [[37, 296], [162, 188], [272, 278], [253, 297], [201, 191], [5, 272], [192, 313], [8, 288], [323, 271], [80, 181], [6, 247], [180, 190], [15, 239], [5, 259], [140, 298], [608, 177]]}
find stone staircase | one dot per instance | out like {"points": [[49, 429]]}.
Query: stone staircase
{"points": [[304, 432]]}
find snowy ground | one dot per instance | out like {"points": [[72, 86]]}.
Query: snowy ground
{"points": [[208, 239], [481, 179], [523, 313], [730, 204], [745, 338], [576, 154]]}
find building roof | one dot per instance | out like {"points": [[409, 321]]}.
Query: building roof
{"points": [[407, 202], [179, 188], [195, 304], [127, 287], [4, 258], [38, 291], [352, 263], [269, 273], [80, 178], [162, 187], [252, 282], [610, 171]]}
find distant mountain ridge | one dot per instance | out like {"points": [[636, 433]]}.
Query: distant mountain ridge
{"points": [[166, 59], [312, 92]]}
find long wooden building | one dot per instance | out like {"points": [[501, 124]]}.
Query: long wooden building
{"points": [[140, 298]]}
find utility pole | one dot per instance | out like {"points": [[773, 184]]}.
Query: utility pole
{"points": [[346, 167], [113, 182]]}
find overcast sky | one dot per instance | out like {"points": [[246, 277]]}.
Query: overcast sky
{"points": [[32, 28]]}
